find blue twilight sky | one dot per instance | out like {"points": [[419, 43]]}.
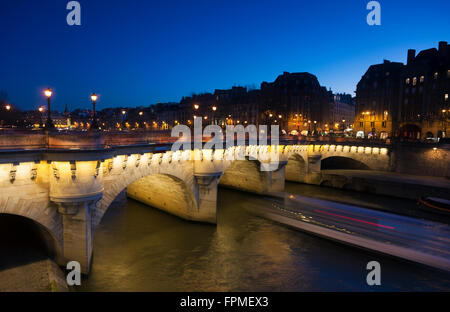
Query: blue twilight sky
{"points": [[139, 52]]}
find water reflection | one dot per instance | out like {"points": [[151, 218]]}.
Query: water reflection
{"points": [[138, 248]]}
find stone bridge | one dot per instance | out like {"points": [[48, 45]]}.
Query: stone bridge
{"points": [[67, 192]]}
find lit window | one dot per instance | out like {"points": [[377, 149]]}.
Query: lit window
{"points": [[446, 96], [448, 72], [407, 81], [436, 75], [414, 81], [422, 78]]}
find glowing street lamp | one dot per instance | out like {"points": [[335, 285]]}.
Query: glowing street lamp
{"points": [[94, 98], [49, 124], [196, 106]]}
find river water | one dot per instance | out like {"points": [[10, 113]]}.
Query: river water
{"points": [[139, 248]]}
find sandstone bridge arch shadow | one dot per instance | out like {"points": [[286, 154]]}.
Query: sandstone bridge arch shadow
{"points": [[296, 169], [163, 191], [330, 179], [339, 162], [246, 175], [24, 240]]}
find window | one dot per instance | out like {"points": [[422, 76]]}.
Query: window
{"points": [[436, 75], [407, 81], [448, 73], [446, 96], [361, 124], [422, 79], [372, 124], [414, 81], [383, 124]]}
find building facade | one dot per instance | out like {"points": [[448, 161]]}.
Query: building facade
{"points": [[297, 102], [425, 87], [406, 101], [377, 97], [343, 111]]}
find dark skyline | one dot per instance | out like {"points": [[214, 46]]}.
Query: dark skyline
{"points": [[136, 53]]}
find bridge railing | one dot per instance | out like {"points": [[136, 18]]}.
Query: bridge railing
{"points": [[39, 139]]}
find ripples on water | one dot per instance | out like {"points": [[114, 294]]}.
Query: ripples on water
{"points": [[138, 248]]}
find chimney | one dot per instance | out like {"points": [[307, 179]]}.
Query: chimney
{"points": [[442, 46], [411, 56]]}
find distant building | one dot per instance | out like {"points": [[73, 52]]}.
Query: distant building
{"points": [[377, 97], [424, 104], [297, 102], [409, 101], [343, 111]]}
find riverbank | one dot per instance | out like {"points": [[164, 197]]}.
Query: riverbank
{"points": [[387, 183], [40, 276], [401, 206]]}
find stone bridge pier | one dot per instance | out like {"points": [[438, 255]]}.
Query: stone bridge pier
{"points": [[75, 188]]}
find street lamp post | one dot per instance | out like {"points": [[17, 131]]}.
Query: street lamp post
{"points": [[41, 123], [123, 119], [141, 122], [49, 124], [8, 109], [94, 125], [214, 108]]}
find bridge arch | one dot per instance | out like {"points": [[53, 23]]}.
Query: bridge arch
{"points": [[247, 175], [142, 178], [342, 162], [20, 230], [165, 192]]}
